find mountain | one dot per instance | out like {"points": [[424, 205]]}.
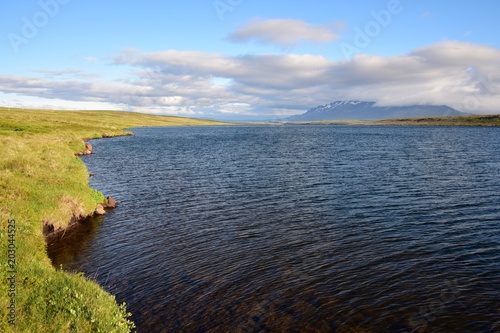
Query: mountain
{"points": [[355, 110]]}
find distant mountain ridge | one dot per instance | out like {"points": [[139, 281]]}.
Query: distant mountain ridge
{"points": [[356, 110]]}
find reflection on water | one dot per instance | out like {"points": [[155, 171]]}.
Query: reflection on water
{"points": [[298, 229], [64, 247]]}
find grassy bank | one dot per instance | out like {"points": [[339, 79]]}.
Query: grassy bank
{"points": [[42, 181]]}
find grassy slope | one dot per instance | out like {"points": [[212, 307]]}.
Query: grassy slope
{"points": [[42, 180]]}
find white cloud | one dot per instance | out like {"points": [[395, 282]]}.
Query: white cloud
{"points": [[91, 60], [22, 101], [462, 75], [284, 32], [66, 73]]}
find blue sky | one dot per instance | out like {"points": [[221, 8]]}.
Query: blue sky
{"points": [[236, 59]]}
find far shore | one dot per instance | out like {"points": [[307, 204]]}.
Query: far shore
{"points": [[479, 120]]}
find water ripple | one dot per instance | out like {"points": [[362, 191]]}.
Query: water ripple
{"points": [[298, 229]]}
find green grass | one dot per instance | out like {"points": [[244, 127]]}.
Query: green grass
{"points": [[42, 181]]}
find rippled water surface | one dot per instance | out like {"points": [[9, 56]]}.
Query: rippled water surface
{"points": [[298, 229]]}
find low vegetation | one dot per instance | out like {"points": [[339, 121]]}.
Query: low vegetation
{"points": [[483, 120], [41, 180]]}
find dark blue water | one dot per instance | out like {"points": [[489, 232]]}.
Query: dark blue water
{"points": [[298, 229]]}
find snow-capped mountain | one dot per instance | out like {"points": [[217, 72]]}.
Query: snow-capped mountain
{"points": [[356, 110]]}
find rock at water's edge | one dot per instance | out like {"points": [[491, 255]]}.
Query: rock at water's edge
{"points": [[100, 210], [111, 203], [88, 149]]}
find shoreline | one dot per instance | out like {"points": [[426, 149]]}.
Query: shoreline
{"points": [[49, 230], [448, 121], [43, 181]]}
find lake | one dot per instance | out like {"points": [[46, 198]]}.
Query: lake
{"points": [[297, 228]]}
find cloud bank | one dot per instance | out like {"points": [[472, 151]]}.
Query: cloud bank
{"points": [[462, 75], [284, 32]]}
